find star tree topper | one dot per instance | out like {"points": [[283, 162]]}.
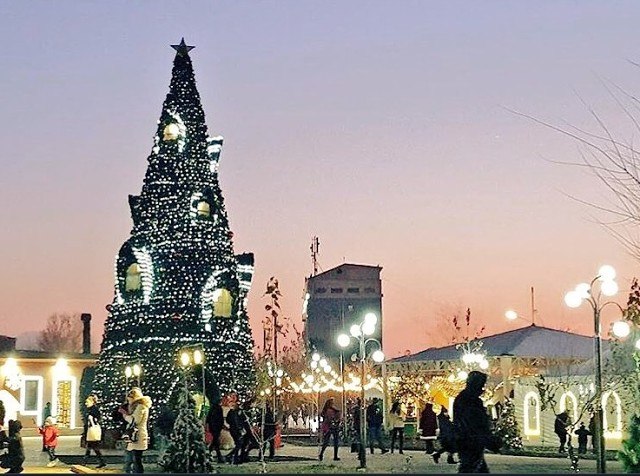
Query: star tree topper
{"points": [[182, 49]]}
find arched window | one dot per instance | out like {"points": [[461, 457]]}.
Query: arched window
{"points": [[222, 303], [203, 210], [569, 403], [531, 410], [133, 280], [611, 415]]}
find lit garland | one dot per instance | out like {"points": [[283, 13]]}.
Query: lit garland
{"points": [[184, 258]]}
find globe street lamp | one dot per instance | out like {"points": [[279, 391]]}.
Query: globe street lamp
{"points": [[360, 332], [188, 356], [587, 292], [133, 370]]}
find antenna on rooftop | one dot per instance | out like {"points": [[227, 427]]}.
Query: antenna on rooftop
{"points": [[315, 250]]}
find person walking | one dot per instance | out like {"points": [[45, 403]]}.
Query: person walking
{"points": [[50, 433], [215, 421], [446, 437], [472, 426], [137, 418], [583, 437], [14, 457], [428, 426], [560, 429], [396, 422], [92, 432], [330, 427], [375, 419], [236, 429], [269, 431]]}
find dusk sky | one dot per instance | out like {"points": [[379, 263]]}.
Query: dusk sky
{"points": [[381, 127]]}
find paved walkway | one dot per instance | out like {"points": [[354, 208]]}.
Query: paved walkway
{"points": [[303, 459]]}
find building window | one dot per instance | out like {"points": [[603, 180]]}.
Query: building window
{"points": [[321, 290], [611, 415], [31, 396], [336, 290], [531, 410], [369, 290], [353, 290], [133, 281], [222, 303], [569, 403]]}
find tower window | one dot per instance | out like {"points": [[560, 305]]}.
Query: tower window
{"points": [[133, 281], [336, 290], [222, 303], [353, 290]]}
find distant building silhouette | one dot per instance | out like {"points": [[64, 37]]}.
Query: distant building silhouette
{"points": [[335, 300]]}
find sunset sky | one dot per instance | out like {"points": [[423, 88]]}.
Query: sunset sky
{"points": [[384, 128]]}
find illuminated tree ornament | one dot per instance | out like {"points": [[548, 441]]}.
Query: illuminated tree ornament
{"points": [[182, 247]]}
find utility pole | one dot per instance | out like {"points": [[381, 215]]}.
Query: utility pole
{"points": [[315, 250]]}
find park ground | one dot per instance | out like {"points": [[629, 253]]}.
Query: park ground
{"points": [[294, 459]]}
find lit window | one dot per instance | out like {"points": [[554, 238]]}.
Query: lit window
{"points": [[612, 415], [222, 303], [531, 407], [204, 210], [133, 281]]}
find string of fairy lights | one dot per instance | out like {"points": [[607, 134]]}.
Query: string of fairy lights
{"points": [[182, 247]]}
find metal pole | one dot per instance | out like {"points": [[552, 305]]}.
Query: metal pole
{"points": [[533, 309], [186, 394], [344, 398], [598, 437], [363, 420]]}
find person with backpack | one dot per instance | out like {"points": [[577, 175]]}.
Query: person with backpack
{"points": [[446, 437]]}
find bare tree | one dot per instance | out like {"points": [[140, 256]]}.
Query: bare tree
{"points": [[457, 327], [63, 333]]}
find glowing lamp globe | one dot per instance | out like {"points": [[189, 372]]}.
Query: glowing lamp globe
{"points": [[484, 364], [128, 372], [609, 288], [314, 364], [370, 318], [572, 299], [638, 344], [315, 357], [279, 373], [368, 328], [137, 370], [354, 330], [323, 363], [583, 289], [606, 273], [621, 329], [462, 375], [185, 359], [343, 340], [511, 315], [377, 356], [198, 357]]}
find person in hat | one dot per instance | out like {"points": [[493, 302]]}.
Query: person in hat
{"points": [[50, 433], [138, 417]]}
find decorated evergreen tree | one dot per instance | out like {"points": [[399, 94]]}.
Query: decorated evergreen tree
{"points": [[177, 280], [629, 455], [507, 427], [187, 451]]}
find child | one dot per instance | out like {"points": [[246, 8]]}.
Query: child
{"points": [[14, 457], [583, 434], [50, 435]]}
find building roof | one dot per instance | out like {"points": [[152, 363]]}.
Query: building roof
{"points": [[38, 354], [344, 265], [529, 342]]}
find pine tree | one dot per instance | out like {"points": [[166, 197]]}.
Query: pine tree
{"points": [[187, 451], [629, 455], [507, 427], [177, 280]]}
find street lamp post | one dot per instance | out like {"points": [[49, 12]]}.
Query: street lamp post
{"points": [[585, 292], [132, 370], [360, 332], [188, 356]]}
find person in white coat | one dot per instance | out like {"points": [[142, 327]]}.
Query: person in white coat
{"points": [[137, 418]]}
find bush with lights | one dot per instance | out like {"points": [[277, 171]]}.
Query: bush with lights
{"points": [[507, 426], [177, 280]]}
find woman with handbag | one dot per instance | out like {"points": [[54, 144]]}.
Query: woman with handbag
{"points": [[138, 441], [92, 432]]}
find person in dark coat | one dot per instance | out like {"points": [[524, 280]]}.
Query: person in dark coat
{"points": [[93, 418], [428, 425], [236, 429], [592, 430], [330, 427], [269, 431], [472, 427], [446, 437], [14, 457], [560, 429], [215, 422], [375, 419], [583, 435]]}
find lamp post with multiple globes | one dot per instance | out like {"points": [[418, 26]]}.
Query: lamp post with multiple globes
{"points": [[361, 332]]}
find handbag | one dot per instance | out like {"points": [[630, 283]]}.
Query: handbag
{"points": [[94, 432], [131, 432]]}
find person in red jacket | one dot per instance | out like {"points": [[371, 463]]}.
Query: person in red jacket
{"points": [[50, 435]]}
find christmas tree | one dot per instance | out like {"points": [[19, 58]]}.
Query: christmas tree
{"points": [[177, 280], [507, 427], [187, 451], [629, 455]]}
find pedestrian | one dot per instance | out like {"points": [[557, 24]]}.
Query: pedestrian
{"points": [[50, 435], [446, 437], [428, 425], [592, 430], [396, 422], [236, 428], [330, 427], [92, 431], [137, 418], [14, 457], [375, 419], [215, 421], [560, 429], [355, 425], [46, 413], [269, 431], [583, 435], [472, 427]]}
